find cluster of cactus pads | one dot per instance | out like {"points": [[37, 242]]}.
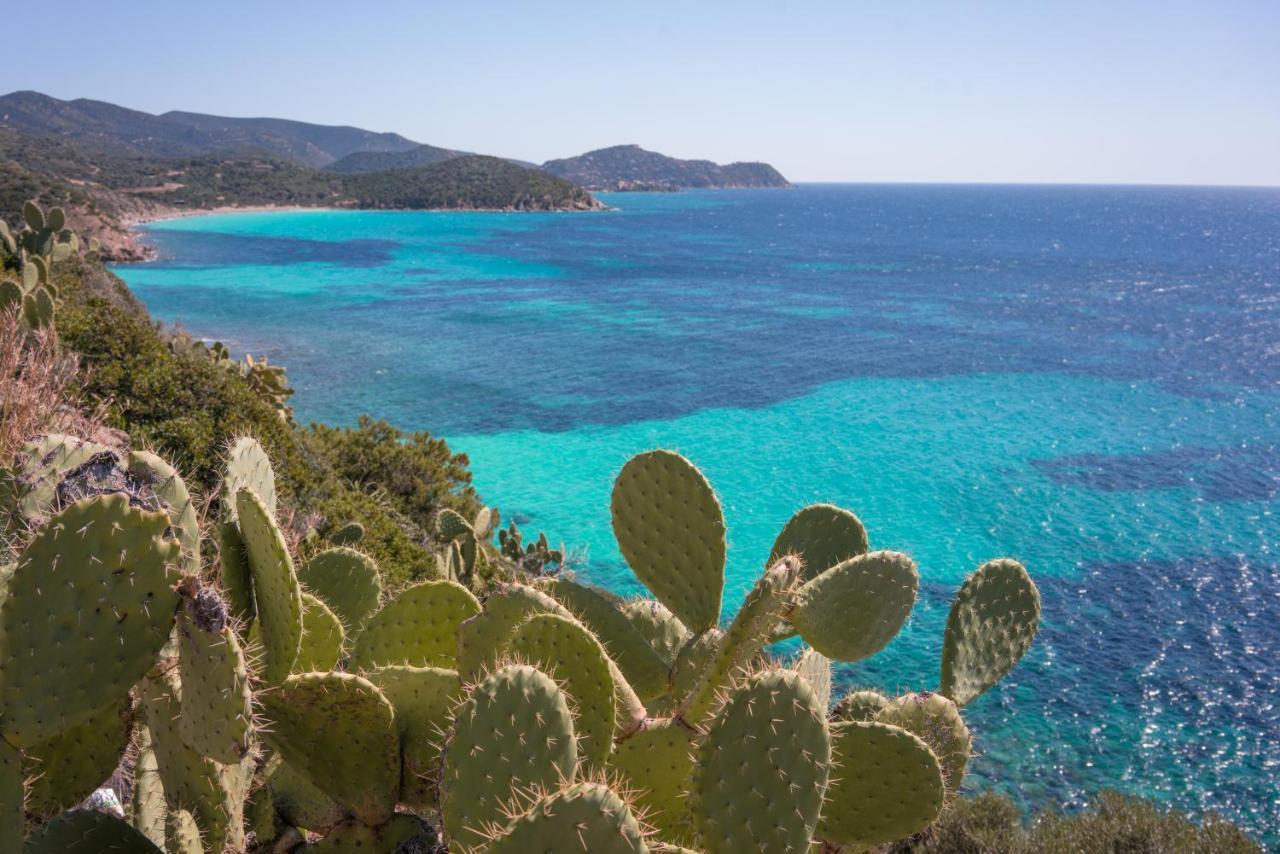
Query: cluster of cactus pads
{"points": [[284, 703], [269, 382], [30, 255]]}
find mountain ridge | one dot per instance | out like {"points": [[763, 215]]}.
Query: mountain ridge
{"points": [[630, 167]]}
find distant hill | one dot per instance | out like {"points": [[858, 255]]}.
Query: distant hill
{"points": [[471, 181], [630, 167], [122, 131], [380, 161]]}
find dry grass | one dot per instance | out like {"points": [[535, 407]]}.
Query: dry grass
{"points": [[39, 383]]}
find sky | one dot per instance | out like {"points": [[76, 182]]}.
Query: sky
{"points": [[1028, 91]]}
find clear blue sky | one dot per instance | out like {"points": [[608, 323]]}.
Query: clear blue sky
{"points": [[1082, 91]]}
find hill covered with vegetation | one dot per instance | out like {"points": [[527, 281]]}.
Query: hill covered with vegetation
{"points": [[630, 167]]}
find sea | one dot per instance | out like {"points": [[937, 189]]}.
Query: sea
{"points": [[1085, 378]]}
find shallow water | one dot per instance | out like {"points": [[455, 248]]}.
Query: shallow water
{"points": [[1083, 378]]}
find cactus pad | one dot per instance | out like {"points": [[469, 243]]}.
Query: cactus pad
{"points": [[821, 535], [347, 535], [482, 637], [852, 610], [937, 721], [246, 465], [693, 662], [670, 529], [40, 466], [419, 627], [513, 733], [338, 730], [582, 818], [348, 582], [423, 699], [657, 763], [276, 594], [216, 712], [172, 492], [859, 706], [181, 833], [298, 800], [99, 569], [601, 611], [148, 792], [763, 768], [664, 633], [743, 640], [992, 623], [449, 524], [65, 770], [887, 785], [11, 794], [320, 648], [87, 832], [816, 670], [567, 652]]}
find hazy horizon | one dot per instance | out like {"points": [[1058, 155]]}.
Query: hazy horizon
{"points": [[1147, 94]]}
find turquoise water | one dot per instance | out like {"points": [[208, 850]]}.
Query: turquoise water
{"points": [[1086, 379]]}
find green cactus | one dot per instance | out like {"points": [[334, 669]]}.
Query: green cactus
{"points": [[87, 832], [815, 668], [181, 833], [657, 762], [601, 612], [450, 525], [513, 733], [482, 637], [821, 535], [31, 487], [992, 623], [246, 465], [423, 699], [679, 557], [113, 564], [300, 802], [11, 796], [532, 559], [859, 705], [172, 493], [402, 833], [148, 791], [889, 786], [418, 627], [662, 631], [582, 818], [65, 770], [216, 703], [561, 648], [693, 662], [339, 730], [851, 611], [937, 721], [348, 582], [349, 534], [321, 645], [276, 595], [742, 641], [763, 768]]}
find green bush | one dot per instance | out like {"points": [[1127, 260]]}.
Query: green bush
{"points": [[991, 824]]}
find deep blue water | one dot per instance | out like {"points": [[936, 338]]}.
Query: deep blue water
{"points": [[1085, 378]]}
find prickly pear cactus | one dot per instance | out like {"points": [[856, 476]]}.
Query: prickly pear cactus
{"points": [[99, 569], [246, 465], [31, 488], [743, 640], [671, 531], [172, 492], [348, 582], [423, 699], [763, 767], [851, 611], [148, 791], [450, 524], [693, 662], [561, 648], [662, 631], [88, 832], [418, 627], [482, 637], [339, 730], [815, 668], [657, 763], [217, 715], [181, 833], [937, 721], [300, 802], [582, 818], [992, 623], [11, 792], [65, 770], [601, 611], [347, 535], [888, 786], [859, 705], [513, 733], [403, 834], [276, 594], [821, 535], [320, 647]]}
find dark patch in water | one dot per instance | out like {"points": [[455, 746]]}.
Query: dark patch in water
{"points": [[211, 249], [1218, 474]]}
